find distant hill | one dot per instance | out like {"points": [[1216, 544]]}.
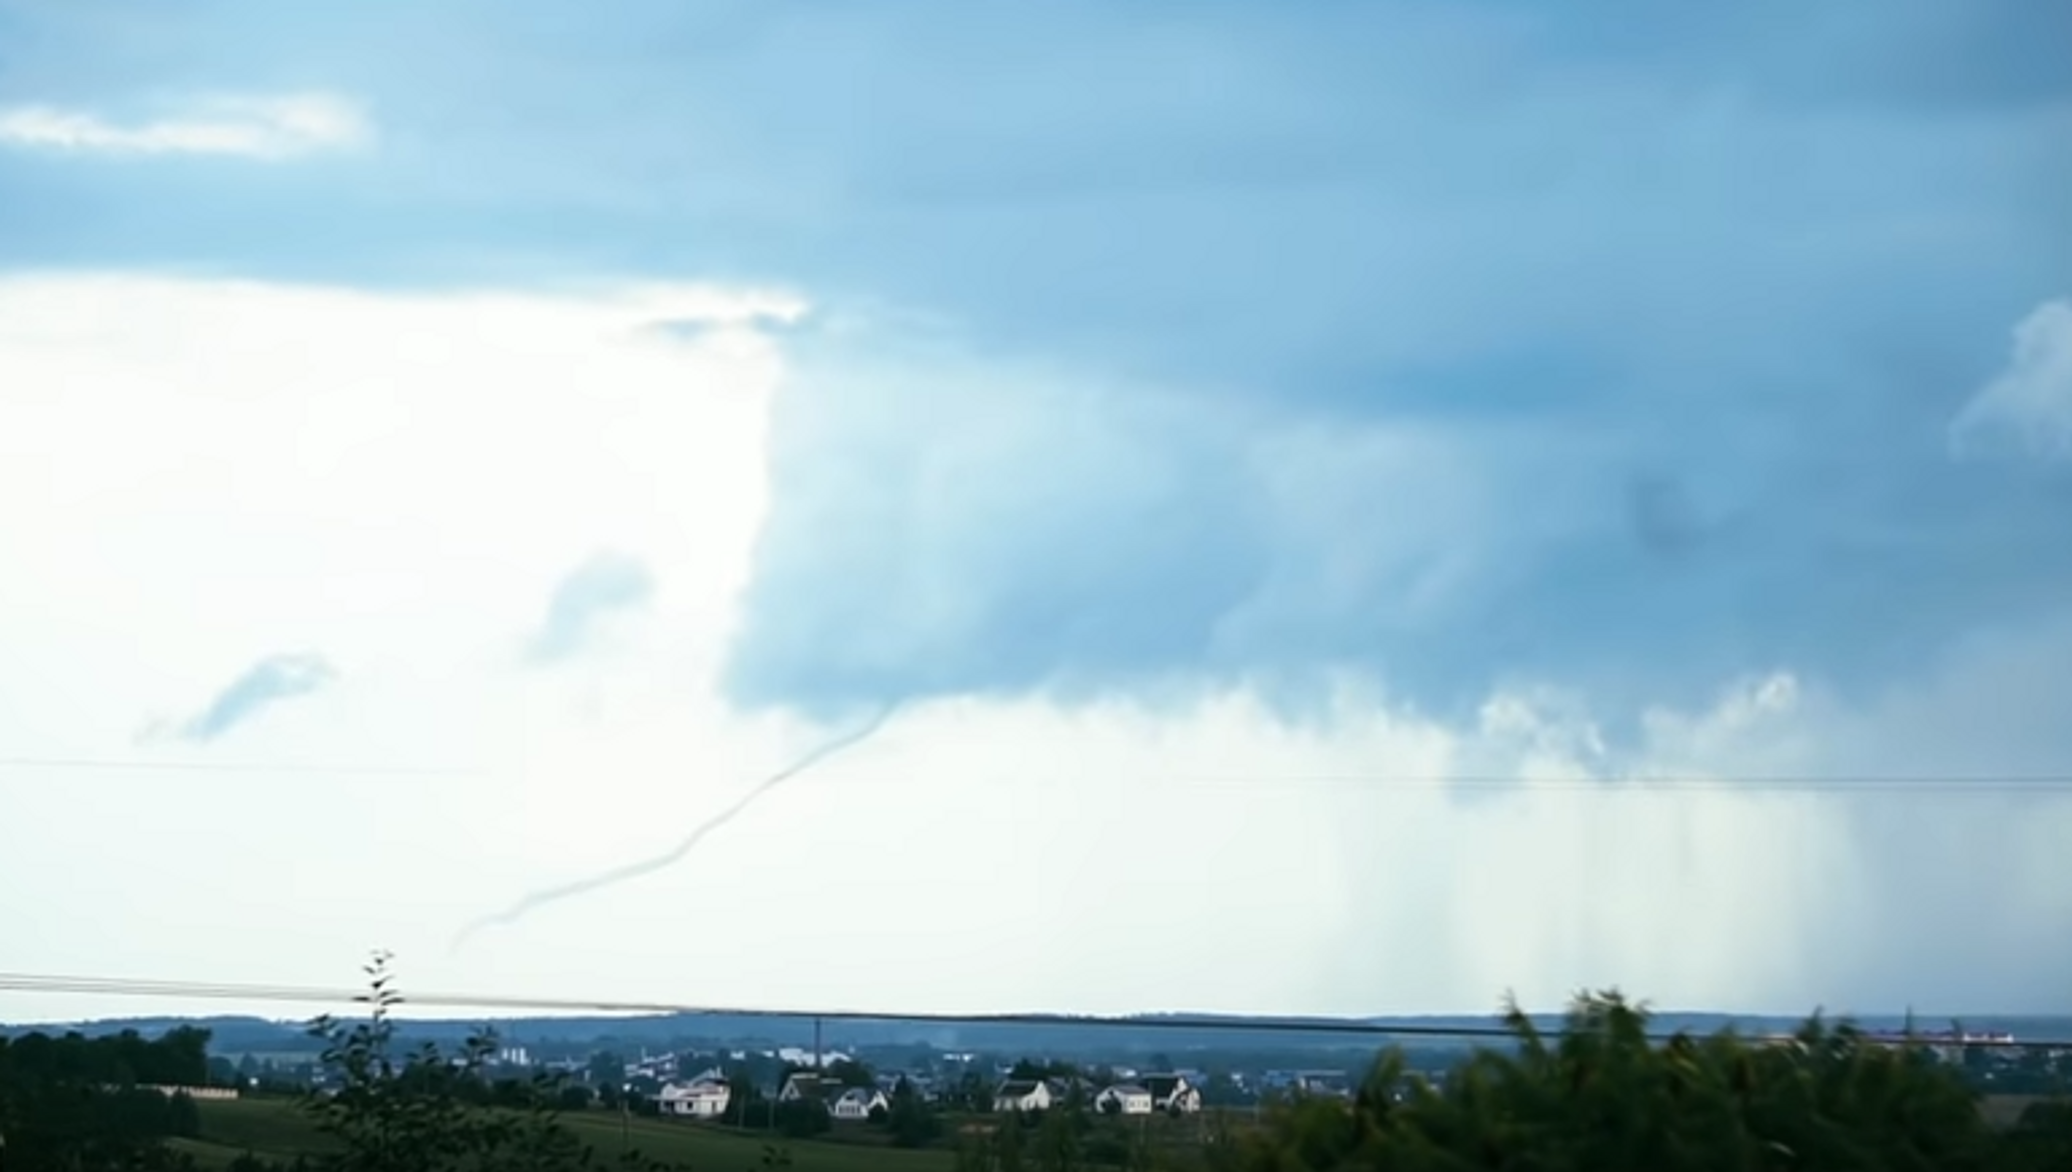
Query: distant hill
{"points": [[1168, 1032], [227, 1033]]}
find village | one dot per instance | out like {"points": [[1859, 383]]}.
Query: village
{"points": [[707, 1087]]}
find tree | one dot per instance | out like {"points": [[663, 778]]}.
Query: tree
{"points": [[744, 1099], [801, 1118], [574, 1097], [1602, 1095], [971, 1092], [424, 1111], [909, 1118], [75, 1102], [849, 1073]]}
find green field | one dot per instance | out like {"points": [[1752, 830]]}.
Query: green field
{"points": [[275, 1128]]}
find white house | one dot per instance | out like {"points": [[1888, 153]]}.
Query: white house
{"points": [[1123, 1099], [704, 1098], [818, 1059], [1172, 1093], [857, 1103], [801, 1084], [1022, 1095]]}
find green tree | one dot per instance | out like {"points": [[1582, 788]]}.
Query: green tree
{"points": [[846, 1072], [1602, 1095], [910, 1120], [972, 1092], [605, 1069], [745, 1101], [76, 1102], [424, 1111], [802, 1118]]}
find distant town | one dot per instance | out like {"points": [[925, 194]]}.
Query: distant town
{"points": [[673, 1093], [665, 1066]]}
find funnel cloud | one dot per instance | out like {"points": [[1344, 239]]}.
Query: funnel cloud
{"points": [[689, 843]]}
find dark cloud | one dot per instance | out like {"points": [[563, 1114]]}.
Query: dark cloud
{"points": [[1665, 519], [1041, 535], [1364, 315], [271, 681]]}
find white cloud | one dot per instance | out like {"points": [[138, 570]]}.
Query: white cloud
{"points": [[195, 474], [2028, 408], [277, 127]]}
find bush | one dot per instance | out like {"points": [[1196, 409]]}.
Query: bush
{"points": [[801, 1118], [1604, 1096]]}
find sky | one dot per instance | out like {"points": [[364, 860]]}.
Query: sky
{"points": [[1338, 508]]}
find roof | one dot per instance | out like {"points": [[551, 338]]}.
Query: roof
{"points": [[699, 1089], [1018, 1088], [861, 1094], [1164, 1085], [1126, 1088], [807, 1082]]}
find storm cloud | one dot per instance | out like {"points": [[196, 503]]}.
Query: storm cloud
{"points": [[1453, 343]]}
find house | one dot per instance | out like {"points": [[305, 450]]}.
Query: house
{"points": [[800, 1056], [857, 1103], [1062, 1090], [1172, 1093], [703, 1098], [1123, 1099], [1024, 1094], [1330, 1084], [802, 1084]]}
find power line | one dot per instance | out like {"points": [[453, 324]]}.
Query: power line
{"points": [[1969, 783], [133, 987], [122, 765]]}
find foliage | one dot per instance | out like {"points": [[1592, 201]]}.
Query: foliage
{"points": [[745, 1101], [846, 1072], [428, 1112], [801, 1118], [1603, 1096], [972, 1092], [77, 1102], [910, 1120]]}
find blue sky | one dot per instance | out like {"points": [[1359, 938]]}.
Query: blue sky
{"points": [[1159, 350]]}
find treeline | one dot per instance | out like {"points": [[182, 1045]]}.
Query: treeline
{"points": [[75, 1102], [1599, 1094]]}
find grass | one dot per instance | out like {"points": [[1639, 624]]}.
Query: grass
{"points": [[268, 1127], [277, 1128]]}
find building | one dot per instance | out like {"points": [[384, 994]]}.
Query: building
{"points": [[1022, 1095], [1063, 1090], [856, 1103], [702, 1098], [1172, 1093], [1329, 1084], [1123, 1099], [196, 1093], [802, 1084]]}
